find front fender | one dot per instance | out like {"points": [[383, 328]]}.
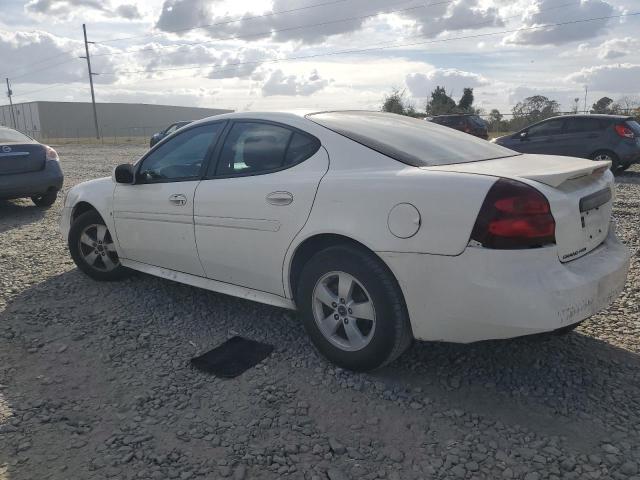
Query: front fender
{"points": [[97, 194]]}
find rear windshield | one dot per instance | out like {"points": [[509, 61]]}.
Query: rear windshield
{"points": [[635, 126], [409, 140], [7, 135]]}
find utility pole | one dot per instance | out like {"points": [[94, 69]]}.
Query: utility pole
{"points": [[91, 74], [586, 91], [13, 114]]}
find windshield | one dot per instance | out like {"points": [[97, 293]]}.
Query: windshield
{"points": [[409, 140], [8, 135]]}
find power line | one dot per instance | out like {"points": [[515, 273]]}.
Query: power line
{"points": [[286, 29], [44, 60], [30, 92], [43, 69], [331, 22], [369, 49], [270, 14]]}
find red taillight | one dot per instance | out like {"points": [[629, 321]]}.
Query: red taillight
{"points": [[624, 131], [514, 215]]}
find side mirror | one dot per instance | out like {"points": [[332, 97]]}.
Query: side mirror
{"points": [[524, 135], [123, 173]]}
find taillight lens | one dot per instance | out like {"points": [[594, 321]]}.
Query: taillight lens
{"points": [[514, 215], [51, 153], [624, 131]]}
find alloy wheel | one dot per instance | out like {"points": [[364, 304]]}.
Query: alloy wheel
{"points": [[344, 311], [97, 248]]}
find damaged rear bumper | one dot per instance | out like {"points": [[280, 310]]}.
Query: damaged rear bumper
{"points": [[487, 294]]}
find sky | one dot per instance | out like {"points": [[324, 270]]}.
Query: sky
{"points": [[265, 55]]}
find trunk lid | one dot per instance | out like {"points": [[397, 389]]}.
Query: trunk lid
{"points": [[580, 193], [21, 158]]}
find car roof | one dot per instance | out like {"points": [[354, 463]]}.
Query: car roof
{"points": [[457, 115], [593, 115]]}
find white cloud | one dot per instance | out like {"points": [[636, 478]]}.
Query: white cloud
{"points": [[290, 85], [618, 47], [39, 57], [615, 79], [307, 22], [66, 8], [544, 12], [421, 84]]}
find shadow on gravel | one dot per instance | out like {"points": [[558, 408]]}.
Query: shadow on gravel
{"points": [[16, 213], [568, 386], [628, 177]]}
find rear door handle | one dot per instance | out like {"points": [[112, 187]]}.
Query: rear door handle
{"points": [[178, 199], [280, 198]]}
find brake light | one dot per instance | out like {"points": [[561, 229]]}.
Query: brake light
{"points": [[51, 153], [624, 131], [514, 216]]}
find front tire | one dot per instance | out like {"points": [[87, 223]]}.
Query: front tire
{"points": [[353, 309], [46, 200], [93, 250]]}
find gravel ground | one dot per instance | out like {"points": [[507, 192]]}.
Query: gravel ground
{"points": [[95, 382]]}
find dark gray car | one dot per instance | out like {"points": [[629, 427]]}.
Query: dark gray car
{"points": [[28, 169], [599, 137]]}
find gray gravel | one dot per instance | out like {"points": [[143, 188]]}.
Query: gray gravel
{"points": [[95, 382]]}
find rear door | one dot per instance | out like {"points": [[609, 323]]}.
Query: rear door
{"points": [[542, 137], [255, 201], [581, 137]]}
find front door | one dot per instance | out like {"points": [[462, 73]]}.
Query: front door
{"points": [[255, 201], [542, 138], [154, 217]]}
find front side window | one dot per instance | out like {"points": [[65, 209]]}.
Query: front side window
{"points": [[252, 148], [181, 157], [579, 125], [552, 127]]}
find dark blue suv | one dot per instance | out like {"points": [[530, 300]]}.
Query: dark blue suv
{"points": [[599, 137]]}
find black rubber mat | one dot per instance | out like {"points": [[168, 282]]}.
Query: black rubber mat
{"points": [[233, 357]]}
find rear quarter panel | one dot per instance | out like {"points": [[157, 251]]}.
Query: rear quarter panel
{"points": [[362, 186]]}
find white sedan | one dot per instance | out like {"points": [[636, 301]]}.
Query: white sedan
{"points": [[378, 228]]}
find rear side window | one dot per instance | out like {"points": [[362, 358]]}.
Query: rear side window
{"points": [[7, 135], [477, 121], [409, 140], [253, 148], [635, 126], [577, 125]]}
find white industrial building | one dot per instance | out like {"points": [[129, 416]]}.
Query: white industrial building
{"points": [[75, 119]]}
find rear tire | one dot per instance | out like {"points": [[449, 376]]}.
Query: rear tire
{"points": [[353, 309], [606, 155], [46, 200], [93, 250]]}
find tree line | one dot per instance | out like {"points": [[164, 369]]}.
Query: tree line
{"points": [[530, 110]]}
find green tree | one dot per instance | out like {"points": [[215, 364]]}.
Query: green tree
{"points": [[602, 106], [395, 102], [465, 105], [440, 103], [533, 109], [496, 121]]}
